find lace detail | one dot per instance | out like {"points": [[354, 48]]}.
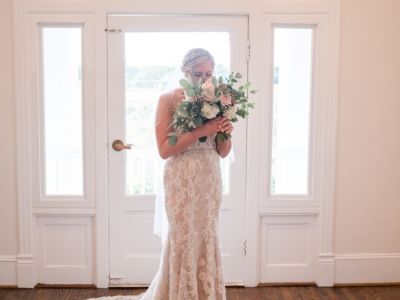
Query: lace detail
{"points": [[190, 265], [209, 143]]}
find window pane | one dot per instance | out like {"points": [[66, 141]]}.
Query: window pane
{"points": [[292, 82], [62, 109], [148, 74]]}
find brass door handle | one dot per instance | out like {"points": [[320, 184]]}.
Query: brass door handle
{"points": [[118, 145]]}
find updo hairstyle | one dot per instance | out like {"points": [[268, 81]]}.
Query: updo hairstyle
{"points": [[195, 57]]}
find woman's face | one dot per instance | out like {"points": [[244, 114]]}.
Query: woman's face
{"points": [[202, 71]]}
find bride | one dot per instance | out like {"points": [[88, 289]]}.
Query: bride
{"points": [[190, 264]]}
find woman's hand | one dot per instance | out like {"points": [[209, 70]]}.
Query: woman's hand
{"points": [[218, 124], [210, 127], [223, 147], [178, 95], [226, 125]]}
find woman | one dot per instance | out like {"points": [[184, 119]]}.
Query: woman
{"points": [[190, 265], [191, 262]]}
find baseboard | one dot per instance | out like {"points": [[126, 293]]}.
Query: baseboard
{"points": [[277, 284], [366, 284], [325, 270], [349, 269], [8, 270], [71, 286], [26, 277], [367, 268]]}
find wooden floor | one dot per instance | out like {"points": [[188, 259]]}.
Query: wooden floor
{"points": [[233, 293]]}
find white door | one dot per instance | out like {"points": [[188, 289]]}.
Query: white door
{"points": [[144, 56]]}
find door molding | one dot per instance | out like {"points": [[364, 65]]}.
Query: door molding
{"points": [[256, 11], [232, 206], [327, 15]]}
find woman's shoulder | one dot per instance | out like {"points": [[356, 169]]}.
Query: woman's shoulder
{"points": [[167, 95], [171, 97]]}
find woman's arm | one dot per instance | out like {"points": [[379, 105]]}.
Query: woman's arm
{"points": [[224, 147]]}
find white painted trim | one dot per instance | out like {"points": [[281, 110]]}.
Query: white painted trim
{"points": [[325, 268], [34, 63], [357, 268], [100, 9], [233, 206], [295, 6], [327, 19], [367, 268], [56, 262], [252, 195], [26, 271], [101, 232], [25, 266], [253, 223], [326, 224], [319, 62], [8, 258], [289, 211], [64, 212], [291, 259], [8, 270], [25, 95]]}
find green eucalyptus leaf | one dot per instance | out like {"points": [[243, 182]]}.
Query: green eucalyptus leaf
{"points": [[184, 83], [190, 92], [198, 121], [222, 137], [172, 140], [214, 81], [203, 139]]}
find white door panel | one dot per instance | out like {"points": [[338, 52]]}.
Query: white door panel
{"points": [[144, 56]]}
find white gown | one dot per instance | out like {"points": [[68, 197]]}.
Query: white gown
{"points": [[190, 265]]}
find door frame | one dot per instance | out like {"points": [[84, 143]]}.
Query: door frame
{"points": [[25, 260], [233, 205]]}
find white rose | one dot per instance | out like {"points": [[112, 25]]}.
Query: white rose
{"points": [[208, 90], [230, 112], [209, 110]]}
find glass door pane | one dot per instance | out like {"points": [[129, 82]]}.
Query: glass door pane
{"points": [[292, 86], [62, 110]]}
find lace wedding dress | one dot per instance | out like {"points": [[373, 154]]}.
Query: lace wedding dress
{"points": [[190, 265]]}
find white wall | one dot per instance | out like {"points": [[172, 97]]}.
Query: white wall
{"points": [[367, 220], [367, 226], [368, 176], [8, 197], [8, 228]]}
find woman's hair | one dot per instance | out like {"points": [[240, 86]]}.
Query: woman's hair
{"points": [[195, 57]]}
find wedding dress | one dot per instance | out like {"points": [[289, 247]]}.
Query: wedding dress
{"points": [[190, 264]]}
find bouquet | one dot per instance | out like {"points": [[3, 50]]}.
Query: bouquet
{"points": [[206, 100]]}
